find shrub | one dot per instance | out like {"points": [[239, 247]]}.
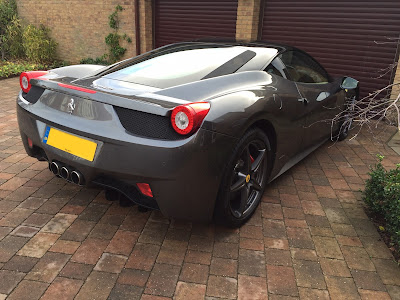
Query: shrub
{"points": [[9, 69], [382, 194], [374, 188], [39, 46], [8, 11], [14, 38], [95, 61], [392, 204]]}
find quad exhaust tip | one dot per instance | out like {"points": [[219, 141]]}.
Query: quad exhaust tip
{"points": [[55, 168], [64, 173], [76, 177]]}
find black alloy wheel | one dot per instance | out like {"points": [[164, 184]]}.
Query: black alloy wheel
{"points": [[245, 178]]}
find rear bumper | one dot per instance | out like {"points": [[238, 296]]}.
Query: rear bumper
{"points": [[184, 175]]}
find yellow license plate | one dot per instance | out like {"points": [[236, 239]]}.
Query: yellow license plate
{"points": [[72, 144]]}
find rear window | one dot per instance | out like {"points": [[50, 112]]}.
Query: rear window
{"points": [[184, 66]]}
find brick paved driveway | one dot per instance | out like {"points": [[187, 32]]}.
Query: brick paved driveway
{"points": [[309, 239]]}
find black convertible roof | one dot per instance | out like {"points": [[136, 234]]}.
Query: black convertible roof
{"points": [[233, 42]]}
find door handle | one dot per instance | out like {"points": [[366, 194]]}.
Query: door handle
{"points": [[304, 100]]}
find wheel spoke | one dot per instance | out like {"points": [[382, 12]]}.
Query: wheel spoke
{"points": [[244, 198], [255, 185], [240, 183], [257, 162]]}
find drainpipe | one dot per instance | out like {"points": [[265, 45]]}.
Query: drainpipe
{"points": [[137, 27]]}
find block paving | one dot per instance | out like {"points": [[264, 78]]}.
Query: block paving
{"points": [[309, 239]]}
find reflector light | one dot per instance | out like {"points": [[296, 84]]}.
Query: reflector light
{"points": [[77, 88], [186, 119], [181, 120], [145, 189], [25, 82], [25, 77], [30, 143]]}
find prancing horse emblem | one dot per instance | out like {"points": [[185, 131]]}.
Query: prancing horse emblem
{"points": [[71, 106]]}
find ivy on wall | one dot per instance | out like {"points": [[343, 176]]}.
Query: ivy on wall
{"points": [[112, 40]]}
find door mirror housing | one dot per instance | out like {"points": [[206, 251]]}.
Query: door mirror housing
{"points": [[349, 83]]}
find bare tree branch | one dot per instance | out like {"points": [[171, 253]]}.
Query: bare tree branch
{"points": [[373, 109]]}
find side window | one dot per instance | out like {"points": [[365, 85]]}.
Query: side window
{"points": [[303, 68], [272, 70], [276, 67]]}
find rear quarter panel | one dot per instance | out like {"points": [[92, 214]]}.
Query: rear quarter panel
{"points": [[274, 100]]}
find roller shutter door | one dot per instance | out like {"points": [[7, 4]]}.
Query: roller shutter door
{"points": [[349, 37], [180, 20]]}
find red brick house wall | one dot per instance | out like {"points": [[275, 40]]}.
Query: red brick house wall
{"points": [[79, 26]]}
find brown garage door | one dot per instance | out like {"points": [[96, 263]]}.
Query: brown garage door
{"points": [[349, 37], [181, 20]]}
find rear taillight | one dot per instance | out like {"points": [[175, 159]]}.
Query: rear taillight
{"points": [[30, 143], [25, 77], [145, 189], [187, 118]]}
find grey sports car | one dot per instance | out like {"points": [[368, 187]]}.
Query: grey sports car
{"points": [[194, 129]]}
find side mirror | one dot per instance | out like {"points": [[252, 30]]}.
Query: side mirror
{"points": [[349, 83]]}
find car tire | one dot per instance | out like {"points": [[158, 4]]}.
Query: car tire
{"points": [[244, 179], [348, 120]]}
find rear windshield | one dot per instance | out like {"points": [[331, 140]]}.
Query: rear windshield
{"points": [[184, 66]]}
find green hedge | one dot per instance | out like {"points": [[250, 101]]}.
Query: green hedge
{"points": [[8, 13], [23, 41], [95, 61], [38, 45], [382, 194], [10, 69]]}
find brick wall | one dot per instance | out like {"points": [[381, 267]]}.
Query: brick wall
{"points": [[247, 19], [393, 117], [146, 25], [396, 88], [79, 26]]}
